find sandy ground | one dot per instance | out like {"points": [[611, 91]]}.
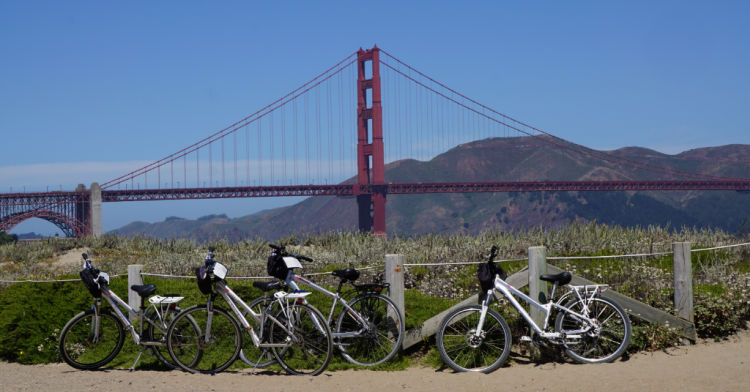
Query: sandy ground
{"points": [[722, 366]]}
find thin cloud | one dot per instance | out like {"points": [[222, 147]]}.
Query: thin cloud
{"points": [[54, 176]]}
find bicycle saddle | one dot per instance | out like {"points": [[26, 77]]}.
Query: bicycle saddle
{"points": [[348, 274], [144, 289], [561, 279], [268, 286]]}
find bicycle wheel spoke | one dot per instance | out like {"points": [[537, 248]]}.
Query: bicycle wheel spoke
{"points": [[461, 348], [604, 343], [85, 347], [309, 348], [201, 352], [379, 338]]}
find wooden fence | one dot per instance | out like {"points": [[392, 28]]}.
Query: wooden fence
{"points": [[395, 269], [683, 293]]}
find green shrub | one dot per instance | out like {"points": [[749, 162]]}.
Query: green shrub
{"points": [[718, 316], [32, 316]]}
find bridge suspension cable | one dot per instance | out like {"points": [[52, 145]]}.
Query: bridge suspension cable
{"points": [[521, 127]]}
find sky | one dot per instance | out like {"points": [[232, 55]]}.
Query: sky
{"points": [[91, 90]]}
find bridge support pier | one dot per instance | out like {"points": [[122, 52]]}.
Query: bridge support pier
{"points": [[96, 228]]}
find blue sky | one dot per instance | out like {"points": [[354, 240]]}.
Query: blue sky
{"points": [[90, 90]]}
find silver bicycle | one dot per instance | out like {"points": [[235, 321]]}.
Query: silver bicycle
{"points": [[368, 331], [93, 338], [292, 330], [588, 326]]}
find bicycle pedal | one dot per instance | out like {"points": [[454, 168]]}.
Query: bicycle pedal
{"points": [[525, 339]]}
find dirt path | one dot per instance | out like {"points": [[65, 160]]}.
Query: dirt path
{"points": [[716, 367]]}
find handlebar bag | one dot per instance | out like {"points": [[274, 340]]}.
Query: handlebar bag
{"points": [[276, 266], [204, 281], [486, 279], [89, 277]]}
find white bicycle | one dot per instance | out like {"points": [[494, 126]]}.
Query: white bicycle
{"points": [[93, 338], [589, 327], [368, 331], [295, 332]]}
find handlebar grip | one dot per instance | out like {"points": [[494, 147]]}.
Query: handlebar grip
{"points": [[304, 258], [494, 267]]}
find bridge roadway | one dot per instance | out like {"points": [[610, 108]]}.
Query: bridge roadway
{"points": [[742, 185], [79, 213]]}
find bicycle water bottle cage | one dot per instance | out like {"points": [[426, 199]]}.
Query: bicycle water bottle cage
{"points": [[348, 274]]}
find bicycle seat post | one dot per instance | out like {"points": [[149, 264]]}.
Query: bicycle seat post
{"points": [[552, 293]]}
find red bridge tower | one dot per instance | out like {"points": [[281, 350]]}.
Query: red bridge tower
{"points": [[370, 157]]}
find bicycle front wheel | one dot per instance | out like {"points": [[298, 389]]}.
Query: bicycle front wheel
{"points": [[465, 350], [88, 342], [213, 349], [605, 340], [379, 339], [304, 338]]}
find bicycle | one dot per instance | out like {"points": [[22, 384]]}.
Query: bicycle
{"points": [[590, 327], [370, 329], [93, 338], [291, 329]]}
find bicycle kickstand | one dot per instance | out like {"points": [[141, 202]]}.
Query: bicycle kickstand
{"points": [[138, 358], [262, 354]]}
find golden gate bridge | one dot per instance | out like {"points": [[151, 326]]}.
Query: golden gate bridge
{"points": [[333, 136]]}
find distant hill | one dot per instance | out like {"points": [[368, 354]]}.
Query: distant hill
{"points": [[504, 159]]}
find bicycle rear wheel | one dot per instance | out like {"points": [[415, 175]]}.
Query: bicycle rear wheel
{"points": [[463, 351], [159, 334], [604, 341], [86, 347], [377, 341], [215, 346], [306, 337]]}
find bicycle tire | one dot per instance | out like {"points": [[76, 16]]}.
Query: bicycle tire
{"points": [[608, 340], [255, 356], [77, 346], [155, 334], [308, 346], [462, 351], [384, 331], [202, 355]]}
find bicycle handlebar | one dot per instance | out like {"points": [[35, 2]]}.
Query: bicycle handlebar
{"points": [[86, 261], [494, 267], [281, 249]]}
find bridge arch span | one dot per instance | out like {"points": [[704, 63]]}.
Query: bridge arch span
{"points": [[69, 226]]}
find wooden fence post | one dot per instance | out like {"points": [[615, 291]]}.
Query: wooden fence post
{"points": [[537, 288], [134, 277], [683, 280], [394, 274]]}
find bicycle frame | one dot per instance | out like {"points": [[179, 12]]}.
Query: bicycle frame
{"points": [[292, 280], [510, 292], [118, 304], [234, 300]]}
